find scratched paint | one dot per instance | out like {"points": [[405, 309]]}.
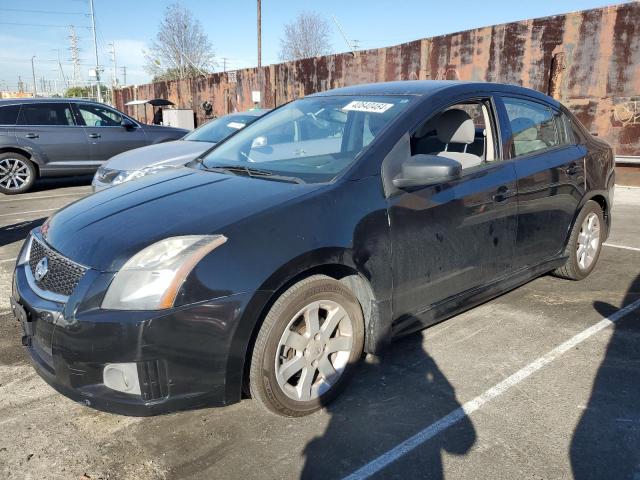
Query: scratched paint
{"points": [[601, 82]]}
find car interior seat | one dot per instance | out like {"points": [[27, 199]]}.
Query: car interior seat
{"points": [[525, 136], [455, 127]]}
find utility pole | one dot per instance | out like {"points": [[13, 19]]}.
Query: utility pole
{"points": [[33, 72], [95, 48], [114, 66], [124, 75], [356, 44], [64, 79], [224, 64], [75, 56], [259, 34]]}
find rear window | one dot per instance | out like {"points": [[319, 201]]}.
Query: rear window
{"points": [[46, 114], [9, 114]]}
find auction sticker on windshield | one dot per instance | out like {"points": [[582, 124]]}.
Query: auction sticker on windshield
{"points": [[370, 107], [236, 125]]}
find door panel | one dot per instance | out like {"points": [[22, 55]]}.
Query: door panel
{"points": [[550, 186], [453, 237], [49, 130], [105, 134], [551, 178]]}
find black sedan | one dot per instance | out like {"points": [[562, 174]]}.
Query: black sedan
{"points": [[321, 231]]}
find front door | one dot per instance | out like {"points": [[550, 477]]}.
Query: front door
{"points": [[450, 238], [550, 171], [50, 131], [107, 137]]}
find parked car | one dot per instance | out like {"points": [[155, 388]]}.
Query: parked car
{"points": [[176, 290], [154, 158], [49, 137]]}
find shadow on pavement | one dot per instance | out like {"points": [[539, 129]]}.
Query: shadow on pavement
{"points": [[51, 183], [385, 404], [606, 442], [18, 231]]}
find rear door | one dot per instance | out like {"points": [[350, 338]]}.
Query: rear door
{"points": [[106, 136], [550, 177], [50, 131]]}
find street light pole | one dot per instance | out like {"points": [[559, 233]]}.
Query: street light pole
{"points": [[33, 72], [259, 34]]}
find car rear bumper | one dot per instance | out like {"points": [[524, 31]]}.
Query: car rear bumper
{"points": [[184, 357]]}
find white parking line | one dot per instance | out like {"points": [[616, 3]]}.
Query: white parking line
{"points": [[6, 260], [477, 403], [624, 247], [19, 199], [31, 211]]}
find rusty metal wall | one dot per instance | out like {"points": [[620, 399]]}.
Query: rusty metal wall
{"points": [[590, 60]]}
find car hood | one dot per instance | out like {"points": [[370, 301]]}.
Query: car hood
{"points": [[176, 153], [104, 230]]}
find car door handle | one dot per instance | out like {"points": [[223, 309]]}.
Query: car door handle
{"points": [[572, 169], [32, 135], [94, 135], [502, 194]]}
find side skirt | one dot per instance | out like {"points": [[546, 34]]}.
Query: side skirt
{"points": [[470, 298]]}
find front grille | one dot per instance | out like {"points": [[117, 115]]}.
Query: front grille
{"points": [[62, 276], [153, 379]]}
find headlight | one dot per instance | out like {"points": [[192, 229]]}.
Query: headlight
{"points": [[127, 175], [151, 279], [105, 175]]}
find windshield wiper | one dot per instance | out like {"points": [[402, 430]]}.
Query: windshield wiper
{"points": [[254, 172]]}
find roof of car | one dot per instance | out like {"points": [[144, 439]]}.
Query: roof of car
{"points": [[47, 100], [430, 87]]}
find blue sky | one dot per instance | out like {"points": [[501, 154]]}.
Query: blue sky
{"points": [[231, 27]]}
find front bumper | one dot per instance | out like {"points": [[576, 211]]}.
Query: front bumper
{"points": [[185, 357]]}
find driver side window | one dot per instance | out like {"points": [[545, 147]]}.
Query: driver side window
{"points": [[462, 132]]}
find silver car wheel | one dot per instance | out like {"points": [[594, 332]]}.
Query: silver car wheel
{"points": [[588, 241], [314, 350], [14, 173]]}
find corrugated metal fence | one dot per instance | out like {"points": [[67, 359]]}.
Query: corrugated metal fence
{"points": [[590, 60]]}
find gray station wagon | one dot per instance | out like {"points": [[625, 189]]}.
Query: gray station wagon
{"points": [[57, 137]]}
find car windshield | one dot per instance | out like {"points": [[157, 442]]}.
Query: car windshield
{"points": [[217, 130], [311, 140]]}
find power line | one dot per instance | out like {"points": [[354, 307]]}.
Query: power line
{"points": [[41, 11], [38, 25]]}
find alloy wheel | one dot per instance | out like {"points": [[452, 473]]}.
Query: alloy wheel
{"points": [[314, 350], [588, 241], [14, 173]]}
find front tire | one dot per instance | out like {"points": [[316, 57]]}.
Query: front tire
{"points": [[585, 243], [307, 347], [17, 173]]}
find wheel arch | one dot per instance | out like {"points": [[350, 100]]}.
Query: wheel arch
{"points": [[601, 198], [282, 280], [24, 152]]}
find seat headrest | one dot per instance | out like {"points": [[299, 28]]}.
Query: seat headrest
{"points": [[524, 129], [455, 126]]}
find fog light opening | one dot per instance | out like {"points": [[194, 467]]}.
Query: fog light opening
{"points": [[122, 377]]}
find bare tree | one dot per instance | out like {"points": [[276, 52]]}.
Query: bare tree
{"points": [[181, 48], [306, 36]]}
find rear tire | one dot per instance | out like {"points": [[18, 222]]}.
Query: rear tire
{"points": [[585, 243], [307, 347], [17, 173]]}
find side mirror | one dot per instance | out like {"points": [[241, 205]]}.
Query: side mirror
{"points": [[127, 124], [422, 170]]}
